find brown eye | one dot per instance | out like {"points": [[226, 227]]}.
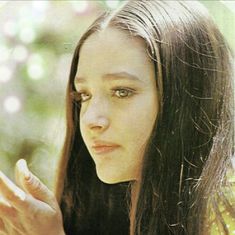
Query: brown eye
{"points": [[84, 96], [123, 92]]}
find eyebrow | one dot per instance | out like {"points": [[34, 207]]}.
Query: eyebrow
{"points": [[113, 76]]}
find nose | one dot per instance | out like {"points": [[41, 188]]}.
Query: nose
{"points": [[95, 118], [99, 123]]}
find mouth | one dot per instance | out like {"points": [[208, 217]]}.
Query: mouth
{"points": [[104, 149], [101, 147]]}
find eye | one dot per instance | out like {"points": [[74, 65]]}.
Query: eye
{"points": [[80, 96], [123, 92], [84, 96]]}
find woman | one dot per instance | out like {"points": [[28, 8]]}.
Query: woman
{"points": [[149, 136]]}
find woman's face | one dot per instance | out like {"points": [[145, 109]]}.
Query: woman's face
{"points": [[119, 102]]}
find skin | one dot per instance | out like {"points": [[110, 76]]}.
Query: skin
{"points": [[115, 109], [29, 208]]}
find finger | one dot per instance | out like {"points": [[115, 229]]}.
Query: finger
{"points": [[22, 173], [2, 227], [11, 218], [12, 229], [18, 179], [33, 185], [11, 192], [6, 210], [11, 221]]}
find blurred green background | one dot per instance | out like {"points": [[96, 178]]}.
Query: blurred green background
{"points": [[37, 39]]}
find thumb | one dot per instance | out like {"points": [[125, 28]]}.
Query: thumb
{"points": [[32, 184]]}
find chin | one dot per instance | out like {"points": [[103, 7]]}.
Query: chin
{"points": [[113, 180]]}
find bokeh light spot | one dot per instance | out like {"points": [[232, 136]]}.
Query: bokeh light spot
{"points": [[9, 28], [112, 3], [35, 67], [20, 53], [5, 53], [12, 104], [5, 74], [35, 71], [40, 5], [80, 6], [27, 35]]}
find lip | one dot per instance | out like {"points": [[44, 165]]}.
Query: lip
{"points": [[102, 147]]}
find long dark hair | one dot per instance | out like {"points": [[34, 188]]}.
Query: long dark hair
{"points": [[189, 152]]}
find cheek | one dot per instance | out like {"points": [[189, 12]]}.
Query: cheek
{"points": [[83, 130], [140, 133], [138, 128]]}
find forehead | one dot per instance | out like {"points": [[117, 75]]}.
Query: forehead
{"points": [[113, 49]]}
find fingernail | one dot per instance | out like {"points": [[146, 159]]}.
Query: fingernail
{"points": [[23, 168]]}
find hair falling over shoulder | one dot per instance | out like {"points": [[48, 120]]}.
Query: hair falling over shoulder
{"points": [[184, 177]]}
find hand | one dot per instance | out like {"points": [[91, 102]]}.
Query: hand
{"points": [[31, 208]]}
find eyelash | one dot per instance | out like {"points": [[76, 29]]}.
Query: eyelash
{"points": [[77, 95]]}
